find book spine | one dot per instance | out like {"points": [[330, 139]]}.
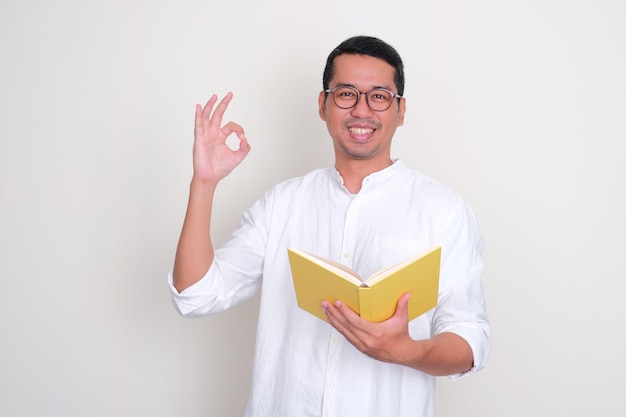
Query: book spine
{"points": [[365, 302]]}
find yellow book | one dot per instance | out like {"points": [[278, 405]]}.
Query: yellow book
{"points": [[375, 298]]}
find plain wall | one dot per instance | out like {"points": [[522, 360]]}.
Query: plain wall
{"points": [[518, 105]]}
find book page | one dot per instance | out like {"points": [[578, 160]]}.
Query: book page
{"points": [[385, 272], [336, 267]]}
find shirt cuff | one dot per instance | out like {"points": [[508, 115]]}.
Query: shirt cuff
{"points": [[192, 301], [479, 341]]}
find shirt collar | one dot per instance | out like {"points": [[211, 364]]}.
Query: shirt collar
{"points": [[375, 177]]}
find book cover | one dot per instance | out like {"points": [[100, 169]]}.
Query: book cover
{"points": [[374, 298]]}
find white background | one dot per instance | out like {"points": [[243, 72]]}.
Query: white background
{"points": [[518, 105]]}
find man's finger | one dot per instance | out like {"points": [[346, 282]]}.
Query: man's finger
{"points": [[402, 308], [215, 120], [208, 108], [232, 127]]}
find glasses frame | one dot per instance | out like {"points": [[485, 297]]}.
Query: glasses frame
{"points": [[358, 96]]}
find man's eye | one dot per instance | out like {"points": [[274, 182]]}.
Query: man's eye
{"points": [[380, 96]]}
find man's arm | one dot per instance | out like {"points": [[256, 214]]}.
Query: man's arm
{"points": [[212, 161], [389, 341]]}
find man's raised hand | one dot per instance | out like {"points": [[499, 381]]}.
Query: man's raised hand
{"points": [[213, 159]]}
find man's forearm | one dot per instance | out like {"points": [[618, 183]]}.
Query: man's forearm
{"points": [[445, 354], [194, 254]]}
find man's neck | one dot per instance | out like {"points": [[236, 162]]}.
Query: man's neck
{"points": [[354, 171]]}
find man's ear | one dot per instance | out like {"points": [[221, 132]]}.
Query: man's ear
{"points": [[401, 111], [321, 102]]}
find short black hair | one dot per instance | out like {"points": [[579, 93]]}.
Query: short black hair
{"points": [[371, 46]]}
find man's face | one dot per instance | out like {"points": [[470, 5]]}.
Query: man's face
{"points": [[361, 133]]}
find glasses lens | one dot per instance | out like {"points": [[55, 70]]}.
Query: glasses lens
{"points": [[379, 99], [345, 97]]}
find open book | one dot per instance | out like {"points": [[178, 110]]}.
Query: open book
{"points": [[374, 298]]}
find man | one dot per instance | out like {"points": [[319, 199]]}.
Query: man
{"points": [[367, 212]]}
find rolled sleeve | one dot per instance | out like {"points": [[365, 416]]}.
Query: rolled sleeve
{"points": [[462, 307], [210, 294], [477, 337], [194, 301]]}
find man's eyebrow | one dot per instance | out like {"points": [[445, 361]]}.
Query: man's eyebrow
{"points": [[345, 85], [342, 84]]}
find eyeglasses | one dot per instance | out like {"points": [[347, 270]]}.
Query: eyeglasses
{"points": [[378, 99]]}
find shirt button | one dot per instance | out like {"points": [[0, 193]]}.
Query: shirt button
{"points": [[335, 340]]}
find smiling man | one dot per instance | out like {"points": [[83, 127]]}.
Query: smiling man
{"points": [[367, 211]]}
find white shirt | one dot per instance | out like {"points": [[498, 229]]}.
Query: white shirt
{"points": [[303, 367]]}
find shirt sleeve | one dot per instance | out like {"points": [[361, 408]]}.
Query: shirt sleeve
{"points": [[462, 309], [235, 274]]}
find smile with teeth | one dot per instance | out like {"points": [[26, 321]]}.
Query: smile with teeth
{"points": [[361, 130]]}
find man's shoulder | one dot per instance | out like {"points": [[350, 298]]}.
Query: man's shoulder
{"points": [[428, 191], [421, 180]]}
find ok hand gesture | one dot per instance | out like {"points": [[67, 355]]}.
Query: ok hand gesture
{"points": [[212, 158]]}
